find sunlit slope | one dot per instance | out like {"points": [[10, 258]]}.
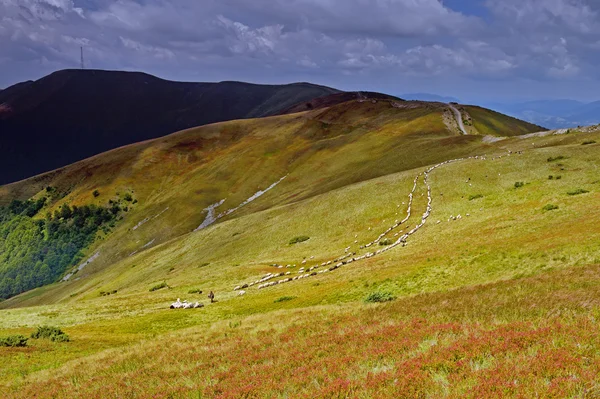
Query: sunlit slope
{"points": [[491, 123], [175, 178], [508, 235]]}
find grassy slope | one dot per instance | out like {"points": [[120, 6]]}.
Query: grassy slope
{"points": [[187, 171], [507, 236], [491, 123]]}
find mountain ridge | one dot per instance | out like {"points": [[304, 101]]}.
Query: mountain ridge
{"points": [[74, 114]]}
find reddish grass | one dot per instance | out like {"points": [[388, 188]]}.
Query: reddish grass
{"points": [[520, 339]]}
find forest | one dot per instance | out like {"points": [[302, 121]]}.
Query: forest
{"points": [[36, 250]]}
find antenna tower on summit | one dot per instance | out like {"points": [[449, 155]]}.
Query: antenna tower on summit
{"points": [[82, 63]]}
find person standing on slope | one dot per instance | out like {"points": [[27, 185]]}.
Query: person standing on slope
{"points": [[211, 296]]}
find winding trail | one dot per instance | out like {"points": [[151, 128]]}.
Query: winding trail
{"points": [[347, 258], [459, 119]]}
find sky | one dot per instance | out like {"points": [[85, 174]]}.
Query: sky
{"points": [[476, 50]]}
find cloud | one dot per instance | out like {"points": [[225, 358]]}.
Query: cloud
{"points": [[346, 41]]}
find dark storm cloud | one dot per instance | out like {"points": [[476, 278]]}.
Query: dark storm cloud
{"points": [[349, 43]]}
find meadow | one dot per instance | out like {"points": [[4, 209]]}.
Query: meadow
{"points": [[500, 303]]}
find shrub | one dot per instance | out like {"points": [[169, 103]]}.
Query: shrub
{"points": [[550, 177], [387, 241], [96, 193], [558, 177], [557, 158], [127, 197], [588, 142], [159, 286], [476, 196], [550, 207], [195, 291], [107, 293], [519, 184], [299, 239], [380, 297], [578, 191], [13, 341], [284, 299], [55, 334]]}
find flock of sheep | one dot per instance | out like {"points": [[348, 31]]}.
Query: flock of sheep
{"points": [[269, 279], [185, 305], [350, 257]]}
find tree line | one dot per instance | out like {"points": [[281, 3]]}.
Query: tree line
{"points": [[36, 250]]}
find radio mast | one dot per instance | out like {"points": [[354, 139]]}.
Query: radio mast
{"points": [[82, 63]]}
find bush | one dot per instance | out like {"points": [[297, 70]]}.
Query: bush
{"points": [[13, 341], [387, 241], [127, 197], [578, 191], [96, 193], [557, 158], [588, 142], [107, 293], [519, 184], [299, 239], [476, 196], [284, 299], [195, 291], [159, 286], [55, 334], [550, 207], [558, 177], [380, 297]]}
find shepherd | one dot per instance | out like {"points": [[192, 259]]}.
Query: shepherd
{"points": [[211, 296]]}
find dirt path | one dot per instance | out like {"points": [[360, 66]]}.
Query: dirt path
{"points": [[459, 119]]}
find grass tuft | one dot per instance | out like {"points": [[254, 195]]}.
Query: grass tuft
{"points": [[475, 196], [550, 207], [299, 239], [159, 286], [13, 341], [578, 191], [284, 299], [376, 297], [55, 334]]}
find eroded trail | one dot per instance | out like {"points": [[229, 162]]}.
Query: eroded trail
{"points": [[347, 258], [459, 119]]}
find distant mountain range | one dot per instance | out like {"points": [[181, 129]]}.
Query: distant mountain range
{"points": [[73, 114], [554, 114]]}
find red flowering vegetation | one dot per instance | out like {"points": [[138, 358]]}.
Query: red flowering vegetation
{"points": [[375, 351]]}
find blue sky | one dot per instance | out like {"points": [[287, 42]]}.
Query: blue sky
{"points": [[476, 50]]}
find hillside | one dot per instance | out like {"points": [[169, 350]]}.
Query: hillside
{"points": [[492, 283], [181, 175], [73, 114]]}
